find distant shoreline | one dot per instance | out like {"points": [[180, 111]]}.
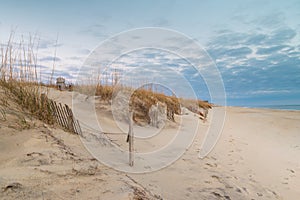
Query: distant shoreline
{"points": [[274, 107]]}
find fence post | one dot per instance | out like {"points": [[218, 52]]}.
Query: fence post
{"points": [[130, 137]]}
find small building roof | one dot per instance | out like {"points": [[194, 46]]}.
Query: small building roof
{"points": [[60, 80]]}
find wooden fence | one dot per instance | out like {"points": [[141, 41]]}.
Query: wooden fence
{"points": [[64, 117]]}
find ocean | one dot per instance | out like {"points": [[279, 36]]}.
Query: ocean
{"points": [[280, 107]]}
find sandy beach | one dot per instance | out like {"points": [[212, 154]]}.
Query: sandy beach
{"points": [[149, 100], [256, 157]]}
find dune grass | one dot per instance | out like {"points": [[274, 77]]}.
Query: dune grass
{"points": [[19, 75], [143, 98]]}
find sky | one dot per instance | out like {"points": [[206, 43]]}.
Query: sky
{"points": [[255, 44]]}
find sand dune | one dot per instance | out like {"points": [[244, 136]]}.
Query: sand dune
{"points": [[42, 162], [256, 157]]}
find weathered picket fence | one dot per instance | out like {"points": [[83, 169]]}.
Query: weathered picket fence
{"points": [[64, 117]]}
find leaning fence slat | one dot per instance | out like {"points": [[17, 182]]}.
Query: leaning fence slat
{"points": [[76, 127], [79, 128], [59, 115], [58, 119], [67, 117], [70, 119], [63, 116], [73, 121]]}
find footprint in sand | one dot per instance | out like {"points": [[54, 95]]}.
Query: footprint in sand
{"points": [[285, 181], [13, 186], [216, 177], [231, 140], [213, 158], [259, 194], [211, 164], [245, 190]]}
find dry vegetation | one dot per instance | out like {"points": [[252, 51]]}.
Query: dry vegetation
{"points": [[143, 99], [19, 76], [19, 79]]}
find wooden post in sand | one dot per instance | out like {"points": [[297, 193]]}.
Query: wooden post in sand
{"points": [[130, 140]]}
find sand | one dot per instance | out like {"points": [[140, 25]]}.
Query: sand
{"points": [[256, 157]]}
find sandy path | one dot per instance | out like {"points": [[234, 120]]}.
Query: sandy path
{"points": [[257, 157]]}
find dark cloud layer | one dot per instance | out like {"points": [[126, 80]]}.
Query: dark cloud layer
{"points": [[258, 64]]}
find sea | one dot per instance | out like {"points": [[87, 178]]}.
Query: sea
{"points": [[279, 107]]}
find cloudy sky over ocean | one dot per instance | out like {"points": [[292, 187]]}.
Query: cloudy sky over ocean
{"points": [[255, 44]]}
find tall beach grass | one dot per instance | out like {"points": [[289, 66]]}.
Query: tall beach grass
{"points": [[19, 76]]}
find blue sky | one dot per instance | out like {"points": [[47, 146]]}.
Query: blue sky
{"points": [[255, 44]]}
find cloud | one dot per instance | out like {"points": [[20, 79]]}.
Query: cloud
{"points": [[272, 49], [61, 73], [236, 52], [227, 38], [77, 58], [258, 63], [95, 30], [42, 67], [47, 43], [281, 35], [50, 59], [256, 39], [152, 65], [249, 61], [272, 20]]}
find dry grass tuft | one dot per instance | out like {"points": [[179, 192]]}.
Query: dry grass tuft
{"points": [[18, 75], [142, 100]]}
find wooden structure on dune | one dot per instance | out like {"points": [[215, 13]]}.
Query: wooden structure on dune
{"points": [[61, 83]]}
